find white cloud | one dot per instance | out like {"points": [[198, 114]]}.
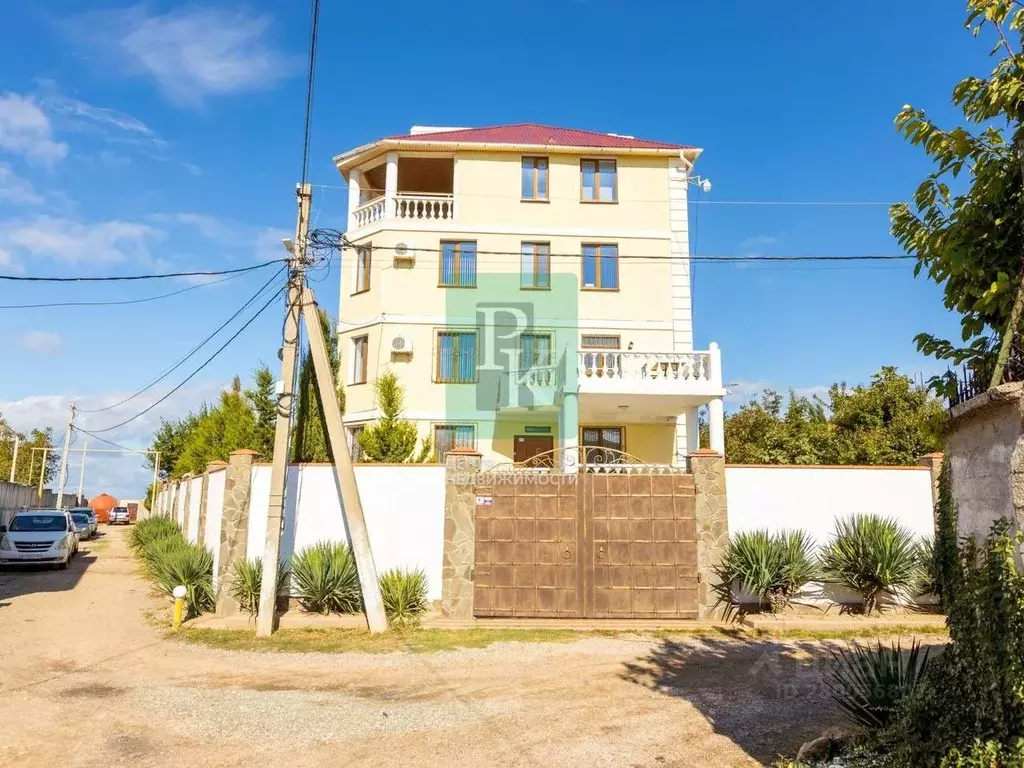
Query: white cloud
{"points": [[76, 241], [26, 130], [124, 476], [739, 393], [41, 342], [14, 189], [79, 114], [757, 241], [195, 51], [223, 231]]}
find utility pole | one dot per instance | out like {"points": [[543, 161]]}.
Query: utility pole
{"points": [[283, 425], [14, 458], [300, 298], [62, 475], [42, 472], [351, 504], [81, 475]]}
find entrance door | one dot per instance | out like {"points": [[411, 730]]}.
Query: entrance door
{"points": [[527, 447]]}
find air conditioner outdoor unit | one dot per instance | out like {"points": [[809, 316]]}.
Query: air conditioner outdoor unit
{"points": [[401, 345], [404, 254]]}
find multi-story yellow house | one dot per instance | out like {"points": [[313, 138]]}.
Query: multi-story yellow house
{"points": [[530, 286]]}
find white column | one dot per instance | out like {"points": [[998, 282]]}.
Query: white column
{"points": [[716, 424], [569, 431], [354, 197], [687, 435], [390, 184], [715, 364]]}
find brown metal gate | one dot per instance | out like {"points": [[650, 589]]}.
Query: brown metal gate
{"points": [[586, 545]]}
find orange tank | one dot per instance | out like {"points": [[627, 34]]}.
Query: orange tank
{"points": [[101, 506]]}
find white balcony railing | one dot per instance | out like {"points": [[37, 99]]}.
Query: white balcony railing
{"points": [[369, 212], [645, 366], [425, 207]]}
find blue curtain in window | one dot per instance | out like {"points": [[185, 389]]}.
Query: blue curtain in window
{"points": [[526, 266], [588, 181], [467, 264], [466, 363], [446, 357], [448, 264], [589, 266], [609, 267], [536, 350]]}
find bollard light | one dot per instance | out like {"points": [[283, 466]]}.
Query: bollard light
{"points": [[179, 593]]}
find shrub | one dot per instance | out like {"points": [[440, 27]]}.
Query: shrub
{"points": [[870, 684], [144, 532], [771, 566], [872, 555], [990, 754], [247, 580], [928, 579], [325, 580], [975, 689], [190, 565], [404, 594]]}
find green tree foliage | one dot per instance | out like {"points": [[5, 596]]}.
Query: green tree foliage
{"points": [[172, 437], [391, 439], [970, 240], [890, 421], [228, 427], [29, 461], [309, 435], [263, 401]]}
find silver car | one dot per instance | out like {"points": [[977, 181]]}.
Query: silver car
{"points": [[83, 525], [94, 524]]}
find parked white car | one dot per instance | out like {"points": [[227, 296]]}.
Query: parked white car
{"points": [[119, 516], [38, 536]]}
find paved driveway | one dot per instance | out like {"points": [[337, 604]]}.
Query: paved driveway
{"points": [[85, 680]]}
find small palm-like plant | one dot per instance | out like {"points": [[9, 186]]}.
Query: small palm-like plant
{"points": [[189, 565], [872, 555], [927, 582], [404, 594], [772, 567], [247, 580], [870, 683], [325, 580], [143, 533]]}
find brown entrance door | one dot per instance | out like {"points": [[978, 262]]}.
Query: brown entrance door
{"points": [[530, 446]]}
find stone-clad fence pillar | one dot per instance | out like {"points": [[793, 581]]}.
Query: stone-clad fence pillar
{"points": [[234, 525], [708, 467], [461, 468]]}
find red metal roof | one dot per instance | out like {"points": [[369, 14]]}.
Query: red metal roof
{"points": [[541, 135]]}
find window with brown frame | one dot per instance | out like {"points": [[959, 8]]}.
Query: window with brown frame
{"points": [[458, 265], [360, 358], [600, 341], [535, 270], [456, 357], [599, 181], [364, 255], [449, 436], [603, 445], [535, 178], [601, 267]]}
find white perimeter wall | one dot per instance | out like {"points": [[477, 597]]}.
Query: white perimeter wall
{"points": [[195, 496], [403, 506], [813, 498]]}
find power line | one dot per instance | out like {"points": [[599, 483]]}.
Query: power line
{"points": [[119, 303], [194, 349], [194, 373], [105, 440], [835, 203], [307, 131], [122, 278]]}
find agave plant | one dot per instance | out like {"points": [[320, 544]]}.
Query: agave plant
{"points": [[771, 566], [927, 582], [404, 594], [325, 580], [189, 565], [247, 580], [870, 683], [145, 532], [872, 555]]}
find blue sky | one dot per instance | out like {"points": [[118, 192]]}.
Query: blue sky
{"points": [[167, 136]]}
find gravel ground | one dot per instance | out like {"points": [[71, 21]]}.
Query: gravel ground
{"points": [[86, 681]]}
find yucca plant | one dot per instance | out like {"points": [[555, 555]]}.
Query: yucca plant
{"points": [[143, 533], [325, 580], [871, 555], [773, 567], [870, 683], [404, 594], [189, 565], [246, 580], [927, 581]]}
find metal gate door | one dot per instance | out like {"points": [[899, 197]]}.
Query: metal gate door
{"points": [[586, 545]]}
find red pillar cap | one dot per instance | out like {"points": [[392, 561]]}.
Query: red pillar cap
{"points": [[244, 452], [705, 452]]}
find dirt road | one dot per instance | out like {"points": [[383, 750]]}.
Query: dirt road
{"points": [[85, 680]]}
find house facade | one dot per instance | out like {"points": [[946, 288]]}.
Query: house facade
{"points": [[530, 287]]}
